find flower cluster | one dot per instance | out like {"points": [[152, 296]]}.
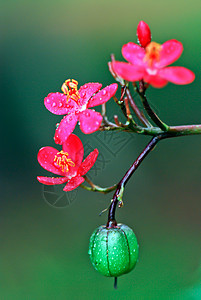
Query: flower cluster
{"points": [[147, 62], [74, 104]]}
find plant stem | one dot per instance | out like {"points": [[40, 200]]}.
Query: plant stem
{"points": [[155, 131], [148, 108], [124, 180], [115, 282], [96, 188], [105, 119], [136, 110], [185, 130], [174, 131], [132, 125]]}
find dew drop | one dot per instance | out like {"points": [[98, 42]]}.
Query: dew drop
{"points": [[60, 104], [104, 92], [54, 104]]}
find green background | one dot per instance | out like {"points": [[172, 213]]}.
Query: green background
{"points": [[43, 252]]}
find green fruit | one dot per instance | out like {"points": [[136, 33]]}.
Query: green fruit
{"points": [[113, 251]]}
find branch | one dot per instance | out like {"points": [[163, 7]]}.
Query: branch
{"points": [[174, 131], [120, 187], [96, 188], [136, 110], [148, 109], [105, 119]]}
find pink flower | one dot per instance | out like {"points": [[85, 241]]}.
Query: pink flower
{"points": [[75, 103], [143, 34], [150, 64], [67, 163]]}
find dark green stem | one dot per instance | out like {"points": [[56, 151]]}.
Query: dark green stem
{"points": [[96, 188], [115, 282], [174, 131], [148, 108], [155, 131], [120, 187], [136, 110]]}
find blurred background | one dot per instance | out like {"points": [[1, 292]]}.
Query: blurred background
{"points": [[44, 231]]}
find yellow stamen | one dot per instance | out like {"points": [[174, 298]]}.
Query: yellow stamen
{"points": [[69, 88], [62, 161], [152, 53]]}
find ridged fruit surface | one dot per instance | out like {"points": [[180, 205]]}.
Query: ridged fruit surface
{"points": [[113, 251]]}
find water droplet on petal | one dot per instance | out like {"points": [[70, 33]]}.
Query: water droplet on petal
{"points": [[104, 92], [53, 104]]}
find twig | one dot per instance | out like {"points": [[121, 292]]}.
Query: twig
{"points": [[136, 110], [96, 188], [147, 107]]}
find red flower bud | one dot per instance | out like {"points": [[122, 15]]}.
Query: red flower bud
{"points": [[143, 34]]}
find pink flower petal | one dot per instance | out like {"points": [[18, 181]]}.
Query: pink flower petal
{"points": [[52, 180], [73, 183], [74, 147], [128, 71], [155, 80], [90, 121], [103, 96], [86, 92], [57, 104], [88, 162], [177, 75], [133, 53], [65, 128], [46, 156], [171, 51]]}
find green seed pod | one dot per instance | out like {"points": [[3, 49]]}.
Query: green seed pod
{"points": [[113, 251]]}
